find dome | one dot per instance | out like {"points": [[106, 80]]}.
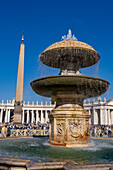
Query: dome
{"points": [[71, 51]]}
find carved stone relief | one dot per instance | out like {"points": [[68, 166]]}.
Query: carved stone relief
{"points": [[60, 129], [74, 125], [77, 127]]}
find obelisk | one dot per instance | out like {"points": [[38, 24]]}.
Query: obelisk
{"points": [[19, 87]]}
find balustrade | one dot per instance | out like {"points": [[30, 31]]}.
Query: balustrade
{"points": [[24, 132]]}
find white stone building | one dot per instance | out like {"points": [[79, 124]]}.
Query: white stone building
{"points": [[31, 113], [101, 112]]}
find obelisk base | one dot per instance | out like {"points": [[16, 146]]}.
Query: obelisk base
{"points": [[17, 115], [69, 126]]}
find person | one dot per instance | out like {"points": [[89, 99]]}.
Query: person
{"points": [[8, 131], [109, 132], [106, 131], [100, 132], [95, 130], [93, 133]]}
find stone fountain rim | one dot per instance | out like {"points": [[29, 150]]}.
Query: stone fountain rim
{"points": [[79, 48], [74, 44], [45, 55], [62, 48], [54, 86], [59, 76]]}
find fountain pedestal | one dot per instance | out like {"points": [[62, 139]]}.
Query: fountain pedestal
{"points": [[69, 126]]}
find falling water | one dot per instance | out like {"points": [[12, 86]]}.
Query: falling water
{"points": [[91, 71], [42, 72], [47, 71], [107, 94]]}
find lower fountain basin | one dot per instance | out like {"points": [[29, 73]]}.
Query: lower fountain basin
{"points": [[38, 149], [69, 86]]}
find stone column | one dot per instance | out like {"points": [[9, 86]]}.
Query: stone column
{"points": [[90, 114], [46, 116], [8, 115], [105, 117], [101, 117], [27, 116], [94, 118], [37, 116], [48, 113], [1, 116], [1, 112], [111, 115], [32, 118], [109, 118], [23, 117], [41, 116]]}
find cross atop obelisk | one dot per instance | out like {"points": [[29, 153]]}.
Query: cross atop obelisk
{"points": [[19, 87]]}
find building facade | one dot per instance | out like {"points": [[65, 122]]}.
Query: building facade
{"points": [[31, 113], [101, 112]]}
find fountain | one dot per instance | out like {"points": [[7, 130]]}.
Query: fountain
{"points": [[69, 122]]}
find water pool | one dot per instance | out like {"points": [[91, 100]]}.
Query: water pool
{"points": [[37, 149]]}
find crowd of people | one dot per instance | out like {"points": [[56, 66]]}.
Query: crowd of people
{"points": [[101, 131], [39, 126], [95, 131]]}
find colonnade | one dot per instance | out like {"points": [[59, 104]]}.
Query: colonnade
{"points": [[28, 116], [35, 116], [101, 112], [6, 115], [101, 116]]}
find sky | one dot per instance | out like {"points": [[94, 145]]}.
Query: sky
{"points": [[44, 22]]}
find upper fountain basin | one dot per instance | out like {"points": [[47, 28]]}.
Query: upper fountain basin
{"points": [[62, 53], [69, 86]]}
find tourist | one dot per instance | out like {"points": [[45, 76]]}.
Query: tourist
{"points": [[109, 132]]}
